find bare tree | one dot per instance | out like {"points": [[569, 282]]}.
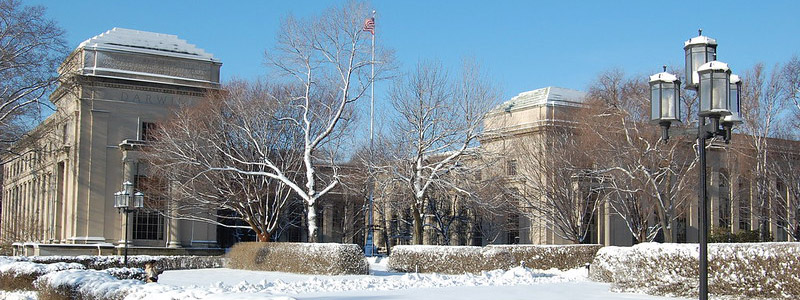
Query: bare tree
{"points": [[763, 99], [31, 49], [439, 120], [558, 186], [647, 176], [327, 58], [790, 75], [785, 192], [212, 160]]}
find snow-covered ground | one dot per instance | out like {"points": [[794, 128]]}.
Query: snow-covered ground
{"points": [[517, 283]]}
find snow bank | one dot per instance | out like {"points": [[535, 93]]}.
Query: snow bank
{"points": [[472, 259], [303, 258], [18, 295], [770, 270]]}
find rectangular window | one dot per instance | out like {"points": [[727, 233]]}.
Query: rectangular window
{"points": [[511, 168], [64, 134], [148, 131], [148, 225], [512, 235]]}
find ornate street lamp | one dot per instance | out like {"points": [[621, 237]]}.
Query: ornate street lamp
{"points": [[699, 50], [122, 201], [719, 100], [665, 92]]}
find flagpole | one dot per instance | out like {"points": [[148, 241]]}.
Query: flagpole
{"points": [[370, 237]]}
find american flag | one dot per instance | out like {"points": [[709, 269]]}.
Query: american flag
{"points": [[369, 25]]}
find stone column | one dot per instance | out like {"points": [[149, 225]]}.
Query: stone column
{"points": [[128, 173], [327, 223], [174, 239]]}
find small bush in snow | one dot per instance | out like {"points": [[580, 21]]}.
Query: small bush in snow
{"points": [[20, 275], [305, 258], [84, 284], [471, 259], [126, 273], [769, 270]]}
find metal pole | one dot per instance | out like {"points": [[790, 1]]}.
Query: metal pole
{"points": [[702, 132], [370, 234]]}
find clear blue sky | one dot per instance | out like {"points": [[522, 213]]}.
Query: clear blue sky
{"points": [[524, 44]]}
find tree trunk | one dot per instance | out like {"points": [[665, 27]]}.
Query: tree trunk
{"points": [[417, 225], [312, 224], [264, 237]]}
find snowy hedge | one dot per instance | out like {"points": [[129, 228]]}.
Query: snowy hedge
{"points": [[19, 275], [448, 259], [473, 259], [544, 257], [84, 284], [770, 270], [305, 258], [138, 261]]}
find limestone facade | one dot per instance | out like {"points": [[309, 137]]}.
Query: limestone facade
{"points": [[60, 186]]}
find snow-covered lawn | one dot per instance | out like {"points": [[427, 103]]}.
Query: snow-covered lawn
{"points": [[517, 283]]}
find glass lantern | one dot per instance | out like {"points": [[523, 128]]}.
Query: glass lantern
{"points": [[714, 89], [120, 200], [735, 104], [699, 50], [138, 200], [127, 187], [664, 98], [734, 118]]}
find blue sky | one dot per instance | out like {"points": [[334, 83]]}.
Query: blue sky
{"points": [[523, 44]]}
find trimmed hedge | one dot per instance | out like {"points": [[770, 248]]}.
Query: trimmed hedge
{"points": [[448, 259], [473, 259], [105, 262], [304, 258], [769, 270], [83, 285], [544, 257], [21, 275]]}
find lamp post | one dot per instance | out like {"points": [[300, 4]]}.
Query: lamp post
{"points": [[719, 101], [122, 201]]}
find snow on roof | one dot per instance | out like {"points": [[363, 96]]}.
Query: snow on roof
{"points": [[144, 41], [700, 40], [545, 96], [714, 65], [664, 77]]}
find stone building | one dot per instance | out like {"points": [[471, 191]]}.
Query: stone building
{"points": [[534, 119], [117, 86]]}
